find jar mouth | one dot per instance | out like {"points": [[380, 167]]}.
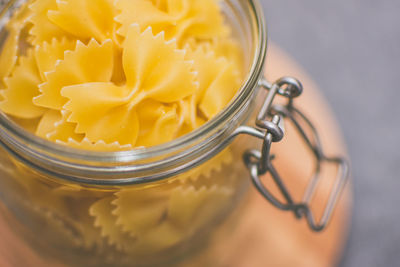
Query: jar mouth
{"points": [[14, 138]]}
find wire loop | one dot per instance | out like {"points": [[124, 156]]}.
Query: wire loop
{"points": [[270, 121]]}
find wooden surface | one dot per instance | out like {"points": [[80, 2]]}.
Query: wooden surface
{"points": [[265, 236]]}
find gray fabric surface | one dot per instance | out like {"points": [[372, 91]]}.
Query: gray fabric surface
{"points": [[352, 50]]}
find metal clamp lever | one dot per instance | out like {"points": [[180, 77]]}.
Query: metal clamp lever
{"points": [[270, 121]]}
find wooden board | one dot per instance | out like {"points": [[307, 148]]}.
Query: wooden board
{"points": [[265, 236]]}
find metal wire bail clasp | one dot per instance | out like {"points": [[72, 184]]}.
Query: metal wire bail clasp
{"points": [[270, 121]]}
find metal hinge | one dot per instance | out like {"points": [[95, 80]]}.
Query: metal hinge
{"points": [[270, 128]]}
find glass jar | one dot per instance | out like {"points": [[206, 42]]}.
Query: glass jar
{"points": [[147, 206], [141, 207]]}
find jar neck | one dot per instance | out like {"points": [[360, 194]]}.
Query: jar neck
{"points": [[159, 162]]}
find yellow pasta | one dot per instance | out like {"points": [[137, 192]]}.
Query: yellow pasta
{"points": [[85, 19], [143, 13], [110, 114], [102, 83], [63, 131], [21, 87], [159, 123], [103, 116], [161, 237], [231, 50], [220, 91], [156, 67], [141, 209], [105, 75], [162, 216], [48, 54], [87, 63], [8, 56], [178, 19], [48, 123], [105, 220], [43, 29], [188, 205]]}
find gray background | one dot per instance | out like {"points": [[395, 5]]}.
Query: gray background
{"points": [[351, 48]]}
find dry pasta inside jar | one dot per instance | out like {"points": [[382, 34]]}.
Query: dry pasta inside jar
{"points": [[114, 124]]}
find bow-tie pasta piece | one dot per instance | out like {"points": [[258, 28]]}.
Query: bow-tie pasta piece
{"points": [[174, 7], [21, 87], [141, 239], [226, 47], [90, 236], [144, 13], [141, 209], [75, 19], [105, 220], [188, 210], [102, 112], [55, 127], [218, 81], [154, 70], [85, 19], [221, 91], [178, 19], [159, 123], [204, 20], [208, 68], [231, 50], [27, 77], [191, 206], [47, 54], [158, 239], [87, 63], [59, 130], [43, 29], [188, 115]]}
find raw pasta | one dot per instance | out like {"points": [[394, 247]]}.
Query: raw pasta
{"points": [[105, 75], [105, 65], [178, 19]]}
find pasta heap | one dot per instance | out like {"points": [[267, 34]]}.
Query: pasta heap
{"points": [[109, 75], [114, 75]]}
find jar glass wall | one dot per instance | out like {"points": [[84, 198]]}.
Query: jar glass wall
{"points": [[146, 206]]}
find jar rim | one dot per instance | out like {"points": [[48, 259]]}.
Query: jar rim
{"points": [[12, 135]]}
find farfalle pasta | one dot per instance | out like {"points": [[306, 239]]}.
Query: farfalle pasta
{"points": [[100, 63], [179, 19], [105, 75]]}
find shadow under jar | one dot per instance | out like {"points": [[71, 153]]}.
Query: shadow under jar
{"points": [[152, 206]]}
